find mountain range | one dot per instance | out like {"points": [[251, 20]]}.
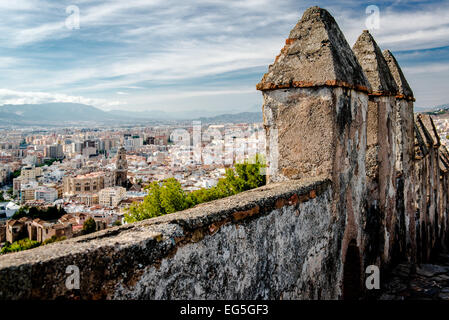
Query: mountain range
{"points": [[57, 114], [441, 110]]}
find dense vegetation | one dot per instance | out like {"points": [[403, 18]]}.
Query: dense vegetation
{"points": [[50, 213], [167, 196], [89, 226], [49, 162], [25, 244], [16, 173], [19, 245], [53, 239]]}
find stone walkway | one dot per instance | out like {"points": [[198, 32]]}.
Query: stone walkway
{"points": [[429, 282]]}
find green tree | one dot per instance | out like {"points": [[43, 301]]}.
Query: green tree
{"points": [[172, 196], [19, 245], [89, 226], [53, 239], [167, 196], [163, 197], [16, 173], [2, 199], [21, 212], [50, 213], [249, 174], [149, 208]]}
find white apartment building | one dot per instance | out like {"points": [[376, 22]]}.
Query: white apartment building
{"points": [[111, 197], [27, 191], [30, 173], [47, 194]]}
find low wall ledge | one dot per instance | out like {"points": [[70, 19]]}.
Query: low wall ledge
{"points": [[207, 217]]}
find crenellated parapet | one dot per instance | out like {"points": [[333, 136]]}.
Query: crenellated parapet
{"points": [[354, 179]]}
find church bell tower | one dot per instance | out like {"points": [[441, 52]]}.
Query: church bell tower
{"points": [[121, 165]]}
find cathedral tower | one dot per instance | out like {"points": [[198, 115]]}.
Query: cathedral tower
{"points": [[121, 165]]}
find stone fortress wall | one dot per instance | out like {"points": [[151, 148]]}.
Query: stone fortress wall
{"points": [[355, 179]]}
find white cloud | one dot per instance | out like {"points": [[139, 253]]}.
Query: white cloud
{"points": [[19, 97], [429, 68], [426, 27], [169, 42]]}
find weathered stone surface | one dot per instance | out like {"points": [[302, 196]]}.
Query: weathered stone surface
{"points": [[296, 114], [444, 154], [321, 131], [234, 262], [430, 190], [430, 129], [381, 149], [404, 138], [421, 142], [430, 270], [427, 282], [374, 65], [316, 54], [202, 252], [404, 89], [2, 232]]}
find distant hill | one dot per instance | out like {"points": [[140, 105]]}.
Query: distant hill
{"points": [[60, 114], [441, 110], [155, 115], [52, 113], [248, 117]]}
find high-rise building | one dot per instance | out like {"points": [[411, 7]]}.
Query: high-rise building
{"points": [[55, 151]]}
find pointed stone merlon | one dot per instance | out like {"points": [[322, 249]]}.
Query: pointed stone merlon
{"points": [[374, 66], [382, 141], [432, 175], [404, 117], [315, 103], [315, 98], [381, 107], [444, 157], [428, 123], [410, 146], [427, 130], [404, 90], [422, 140]]}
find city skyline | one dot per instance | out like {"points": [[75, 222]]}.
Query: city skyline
{"points": [[150, 55]]}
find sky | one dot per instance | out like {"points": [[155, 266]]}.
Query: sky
{"points": [[193, 56]]}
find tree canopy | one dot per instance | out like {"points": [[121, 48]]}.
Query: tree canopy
{"points": [[50, 213], [167, 196], [19, 245], [89, 226]]}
